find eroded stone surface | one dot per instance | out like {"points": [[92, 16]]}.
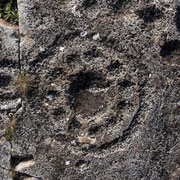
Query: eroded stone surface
{"points": [[104, 103], [9, 62]]}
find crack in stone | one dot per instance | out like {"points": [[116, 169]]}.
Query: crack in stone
{"points": [[19, 47]]}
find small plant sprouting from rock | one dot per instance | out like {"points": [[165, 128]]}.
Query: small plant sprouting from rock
{"points": [[9, 129], [12, 171], [8, 11], [22, 84]]}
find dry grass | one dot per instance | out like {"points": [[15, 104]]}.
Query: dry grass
{"points": [[13, 173], [22, 84], [9, 130]]}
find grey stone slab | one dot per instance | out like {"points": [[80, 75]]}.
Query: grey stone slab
{"points": [[5, 154], [5, 157], [104, 103], [9, 66], [9, 60], [9, 46]]}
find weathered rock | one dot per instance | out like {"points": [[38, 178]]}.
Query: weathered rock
{"points": [[104, 103], [4, 174], [5, 154], [5, 157], [9, 66]]}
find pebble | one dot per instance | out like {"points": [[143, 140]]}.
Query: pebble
{"points": [[83, 33], [49, 97], [61, 49], [19, 101], [42, 49], [96, 36], [67, 163], [52, 84], [73, 142]]}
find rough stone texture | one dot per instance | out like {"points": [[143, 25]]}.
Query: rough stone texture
{"points": [[9, 62], [104, 103]]}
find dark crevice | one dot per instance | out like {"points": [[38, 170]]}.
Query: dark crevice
{"points": [[81, 162], [19, 51], [92, 52], [115, 5], [15, 160], [8, 63], [83, 81], [93, 129], [19, 40], [177, 18], [4, 96], [58, 111], [124, 84], [73, 57], [20, 176], [88, 3], [111, 120], [55, 72], [71, 35], [74, 124], [150, 14], [4, 80], [169, 47], [52, 92], [113, 65], [121, 104]]}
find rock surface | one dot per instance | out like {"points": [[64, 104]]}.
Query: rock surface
{"points": [[104, 99], [9, 66]]}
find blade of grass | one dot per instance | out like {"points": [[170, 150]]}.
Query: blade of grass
{"points": [[9, 6]]}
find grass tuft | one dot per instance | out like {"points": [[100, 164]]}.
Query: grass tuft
{"points": [[8, 11], [22, 84], [9, 130], [13, 173]]}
